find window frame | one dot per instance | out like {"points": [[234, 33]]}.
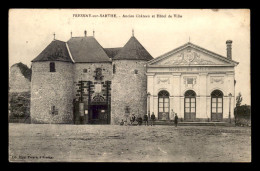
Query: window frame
{"points": [[163, 95], [114, 68], [189, 95], [217, 94], [52, 67]]}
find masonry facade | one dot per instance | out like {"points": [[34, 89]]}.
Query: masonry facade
{"points": [[193, 82], [80, 82]]}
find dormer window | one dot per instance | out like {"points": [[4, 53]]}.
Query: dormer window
{"points": [[52, 67]]}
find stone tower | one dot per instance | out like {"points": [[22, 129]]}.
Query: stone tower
{"points": [[129, 82], [52, 85]]}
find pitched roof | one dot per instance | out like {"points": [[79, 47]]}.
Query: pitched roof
{"points": [[55, 51], [133, 50], [87, 49], [196, 47], [112, 52]]}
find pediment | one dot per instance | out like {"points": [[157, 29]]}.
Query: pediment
{"points": [[191, 55]]}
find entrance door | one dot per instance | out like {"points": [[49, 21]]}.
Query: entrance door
{"points": [[190, 106], [163, 105], [99, 114], [216, 105], [79, 115]]}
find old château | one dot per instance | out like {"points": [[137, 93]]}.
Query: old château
{"points": [[80, 82]]}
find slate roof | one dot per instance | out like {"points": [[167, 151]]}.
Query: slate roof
{"points": [[55, 51], [87, 49], [112, 52], [133, 50]]}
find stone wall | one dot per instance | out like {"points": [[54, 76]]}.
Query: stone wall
{"points": [[50, 89], [86, 72], [94, 90], [19, 93], [128, 89], [17, 81]]}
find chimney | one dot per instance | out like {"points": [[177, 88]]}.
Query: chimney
{"points": [[229, 49], [85, 32]]}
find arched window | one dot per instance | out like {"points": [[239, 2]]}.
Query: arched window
{"points": [[216, 105], [163, 105], [52, 67], [190, 105]]}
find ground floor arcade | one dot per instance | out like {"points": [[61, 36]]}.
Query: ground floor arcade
{"points": [[191, 106]]}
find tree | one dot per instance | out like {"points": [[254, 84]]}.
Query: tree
{"points": [[239, 99]]}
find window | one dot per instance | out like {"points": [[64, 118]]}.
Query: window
{"points": [[85, 70], [190, 105], [127, 109], [163, 103], [52, 67], [114, 68], [98, 75], [136, 71], [217, 102], [54, 111]]}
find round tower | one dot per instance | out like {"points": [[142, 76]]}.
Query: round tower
{"points": [[52, 85], [129, 81]]}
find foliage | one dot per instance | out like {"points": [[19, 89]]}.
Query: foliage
{"points": [[243, 115], [19, 105], [239, 99]]}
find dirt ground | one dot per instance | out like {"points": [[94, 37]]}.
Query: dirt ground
{"points": [[114, 143]]}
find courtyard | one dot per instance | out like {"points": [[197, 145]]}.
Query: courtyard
{"points": [[114, 143]]}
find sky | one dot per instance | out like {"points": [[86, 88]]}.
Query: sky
{"points": [[31, 30]]}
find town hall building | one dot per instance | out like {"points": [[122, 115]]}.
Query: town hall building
{"points": [[80, 82], [195, 83]]}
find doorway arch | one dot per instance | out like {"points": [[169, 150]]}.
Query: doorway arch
{"points": [[190, 106], [163, 105], [216, 105]]}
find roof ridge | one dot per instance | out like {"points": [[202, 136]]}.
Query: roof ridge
{"points": [[114, 48], [87, 49], [133, 50], [50, 52], [58, 40]]}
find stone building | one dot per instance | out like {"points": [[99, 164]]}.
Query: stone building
{"points": [[129, 80], [80, 82], [195, 83]]}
